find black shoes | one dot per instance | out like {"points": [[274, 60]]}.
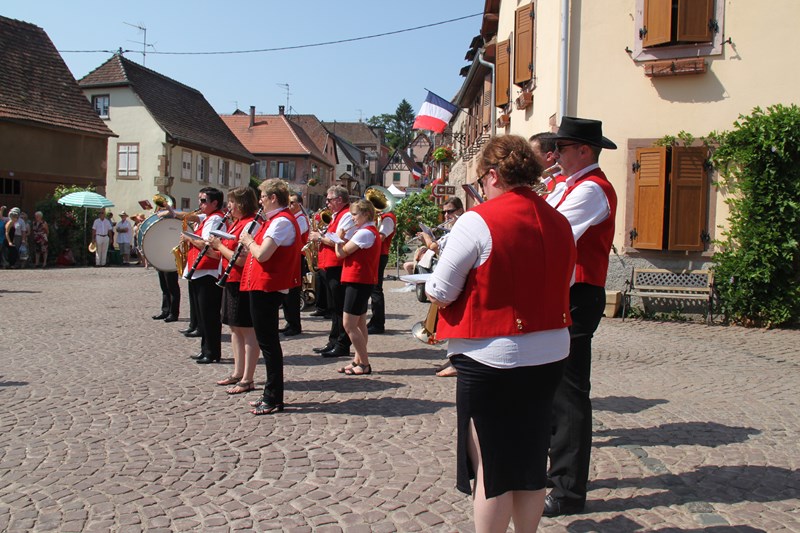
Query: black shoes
{"points": [[291, 332], [375, 330], [197, 355], [161, 316], [187, 330], [192, 333], [325, 348], [318, 312], [336, 351], [171, 318], [559, 507], [208, 360]]}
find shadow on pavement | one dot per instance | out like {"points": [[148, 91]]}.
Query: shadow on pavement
{"points": [[677, 434], [621, 524], [624, 404], [342, 384], [388, 407]]}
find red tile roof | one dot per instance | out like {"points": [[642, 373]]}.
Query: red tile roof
{"points": [[273, 134], [36, 85], [181, 111]]}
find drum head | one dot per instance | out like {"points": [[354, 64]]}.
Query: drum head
{"points": [[158, 236]]}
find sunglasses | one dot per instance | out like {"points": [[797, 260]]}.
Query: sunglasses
{"points": [[480, 180], [449, 211], [560, 146], [203, 200]]}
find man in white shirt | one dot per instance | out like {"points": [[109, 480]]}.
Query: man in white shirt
{"points": [[291, 301], [124, 237], [101, 237]]}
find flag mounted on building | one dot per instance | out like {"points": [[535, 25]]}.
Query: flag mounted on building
{"points": [[417, 172], [435, 114]]}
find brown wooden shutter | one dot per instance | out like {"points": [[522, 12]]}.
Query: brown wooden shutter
{"points": [[650, 186], [693, 20], [523, 45], [502, 74], [657, 22], [688, 206], [486, 101]]}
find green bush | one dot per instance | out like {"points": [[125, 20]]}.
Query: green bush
{"points": [[757, 269], [413, 209]]}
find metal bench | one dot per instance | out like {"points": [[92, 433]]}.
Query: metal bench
{"points": [[661, 284]]}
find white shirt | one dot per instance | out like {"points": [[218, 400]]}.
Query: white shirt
{"points": [[214, 222], [101, 227], [387, 226], [586, 205], [364, 238], [302, 221], [281, 230], [469, 245], [124, 237]]}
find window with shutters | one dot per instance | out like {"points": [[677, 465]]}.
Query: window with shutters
{"points": [[282, 169], [523, 45], [670, 29], [671, 198], [128, 160], [186, 166], [502, 93], [237, 174], [203, 168]]}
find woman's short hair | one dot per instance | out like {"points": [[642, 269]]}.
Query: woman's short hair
{"points": [[278, 187], [363, 207], [245, 199], [513, 159]]}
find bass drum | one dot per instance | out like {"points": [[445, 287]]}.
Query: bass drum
{"points": [[156, 238]]}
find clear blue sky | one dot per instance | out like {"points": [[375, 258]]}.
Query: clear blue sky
{"points": [[342, 82]]}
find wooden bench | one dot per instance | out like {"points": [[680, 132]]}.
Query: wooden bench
{"points": [[656, 283]]}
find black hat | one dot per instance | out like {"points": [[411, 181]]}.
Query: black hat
{"points": [[584, 130]]}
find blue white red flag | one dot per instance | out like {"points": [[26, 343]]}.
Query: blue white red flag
{"points": [[435, 114], [417, 172]]}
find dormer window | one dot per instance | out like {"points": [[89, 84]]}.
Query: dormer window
{"points": [[100, 104]]}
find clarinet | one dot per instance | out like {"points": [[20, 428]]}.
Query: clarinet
{"points": [[204, 251], [239, 249]]}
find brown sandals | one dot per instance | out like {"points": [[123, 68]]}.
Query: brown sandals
{"points": [[242, 386]]}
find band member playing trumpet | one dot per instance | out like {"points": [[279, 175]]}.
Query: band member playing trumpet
{"points": [[360, 255], [544, 146], [338, 201], [242, 204], [271, 270], [291, 302], [203, 289], [507, 337]]}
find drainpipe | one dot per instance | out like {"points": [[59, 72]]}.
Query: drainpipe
{"points": [[564, 61], [491, 66]]}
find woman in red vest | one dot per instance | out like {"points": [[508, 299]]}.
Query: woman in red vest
{"points": [[271, 269], [502, 286], [242, 205], [361, 255]]}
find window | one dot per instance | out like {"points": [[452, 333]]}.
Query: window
{"points": [[224, 169], [349, 168], [396, 176], [10, 187], [127, 160], [259, 170], [502, 93], [185, 206], [100, 105], [670, 199], [203, 168], [237, 174], [523, 45], [669, 29], [186, 166], [282, 169]]}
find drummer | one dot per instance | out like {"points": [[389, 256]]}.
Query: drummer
{"points": [[167, 280]]}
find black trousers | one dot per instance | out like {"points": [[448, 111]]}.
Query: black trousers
{"points": [[378, 319], [264, 311], [321, 291], [291, 301], [170, 293], [571, 442], [209, 319], [193, 324], [337, 335]]}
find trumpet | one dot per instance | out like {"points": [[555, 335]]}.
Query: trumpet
{"points": [[204, 251], [251, 229], [540, 187]]}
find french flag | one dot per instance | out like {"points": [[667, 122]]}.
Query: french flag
{"points": [[435, 114], [417, 172]]}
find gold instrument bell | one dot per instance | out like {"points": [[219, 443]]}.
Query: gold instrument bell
{"points": [[162, 201], [380, 197]]}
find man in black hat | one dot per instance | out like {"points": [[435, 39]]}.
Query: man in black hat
{"points": [[590, 204]]}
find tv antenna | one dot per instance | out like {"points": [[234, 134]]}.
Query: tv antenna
{"points": [[286, 88], [360, 114], [144, 44]]}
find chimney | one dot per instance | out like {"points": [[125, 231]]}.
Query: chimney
{"points": [[281, 109], [252, 116]]}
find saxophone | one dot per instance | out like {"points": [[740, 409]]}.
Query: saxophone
{"points": [[311, 249], [181, 252]]}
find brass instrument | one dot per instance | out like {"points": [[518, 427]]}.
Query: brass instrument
{"points": [[540, 187], [380, 197], [181, 251], [425, 330], [311, 249], [162, 201]]}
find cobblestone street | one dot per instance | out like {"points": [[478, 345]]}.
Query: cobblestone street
{"points": [[107, 425]]}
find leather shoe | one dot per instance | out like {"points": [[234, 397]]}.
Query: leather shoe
{"points": [[318, 312], [336, 351], [325, 348], [374, 330], [188, 330], [171, 318], [208, 360], [560, 507], [284, 329], [197, 356], [291, 332], [160, 316], [193, 333]]}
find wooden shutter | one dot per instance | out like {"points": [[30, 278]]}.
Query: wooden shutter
{"points": [[693, 20], [523, 45], [657, 22], [650, 186], [688, 206], [502, 74], [199, 167]]}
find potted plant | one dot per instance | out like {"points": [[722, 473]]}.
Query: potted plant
{"points": [[443, 154]]}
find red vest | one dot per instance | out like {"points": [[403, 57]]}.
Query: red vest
{"points": [[524, 285], [387, 242], [279, 272], [327, 255], [304, 235], [234, 229], [594, 246], [206, 263], [555, 180], [362, 265]]}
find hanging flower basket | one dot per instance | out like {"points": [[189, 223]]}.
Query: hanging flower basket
{"points": [[443, 154], [312, 182]]}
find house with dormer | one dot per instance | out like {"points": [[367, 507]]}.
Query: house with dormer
{"points": [[170, 140], [369, 139], [49, 135]]}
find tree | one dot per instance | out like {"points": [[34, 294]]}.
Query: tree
{"points": [[398, 126]]}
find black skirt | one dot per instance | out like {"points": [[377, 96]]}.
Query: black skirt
{"points": [[511, 409], [356, 297], [236, 306]]}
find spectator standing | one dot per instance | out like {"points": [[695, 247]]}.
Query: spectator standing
{"points": [[10, 249], [101, 237], [124, 233], [41, 232]]}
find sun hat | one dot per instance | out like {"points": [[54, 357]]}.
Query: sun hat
{"points": [[584, 130]]}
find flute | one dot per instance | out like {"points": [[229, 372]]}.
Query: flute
{"points": [[251, 228], [204, 251]]}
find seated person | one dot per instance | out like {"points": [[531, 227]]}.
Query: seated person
{"points": [[452, 209]]}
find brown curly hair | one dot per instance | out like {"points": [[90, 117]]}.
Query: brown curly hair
{"points": [[513, 159]]}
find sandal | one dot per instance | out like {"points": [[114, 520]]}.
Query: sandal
{"points": [[242, 386], [230, 380], [344, 369], [365, 370], [266, 409]]}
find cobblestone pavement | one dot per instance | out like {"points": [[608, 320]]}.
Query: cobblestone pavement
{"points": [[107, 425]]}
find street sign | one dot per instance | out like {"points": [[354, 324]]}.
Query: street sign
{"points": [[444, 190]]}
